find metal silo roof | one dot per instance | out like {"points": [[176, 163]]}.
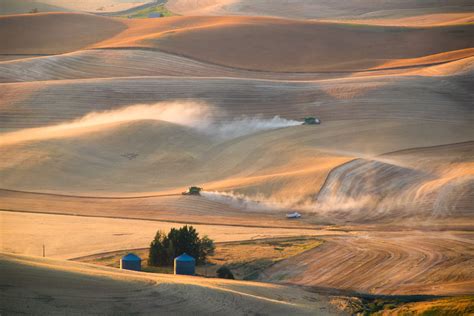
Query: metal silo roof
{"points": [[131, 257], [184, 257]]}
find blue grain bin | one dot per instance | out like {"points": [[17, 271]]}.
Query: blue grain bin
{"points": [[184, 264], [131, 262], [154, 15]]}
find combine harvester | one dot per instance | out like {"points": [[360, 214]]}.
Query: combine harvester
{"points": [[311, 121], [193, 191]]}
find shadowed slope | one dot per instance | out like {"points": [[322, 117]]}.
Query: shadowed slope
{"points": [[53, 33]]}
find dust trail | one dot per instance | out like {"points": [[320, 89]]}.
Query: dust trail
{"points": [[341, 203], [267, 204], [248, 125], [261, 203], [191, 114], [243, 202], [179, 112]]}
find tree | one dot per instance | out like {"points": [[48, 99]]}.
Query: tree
{"points": [[164, 248], [224, 273], [206, 249], [157, 249], [35, 10]]}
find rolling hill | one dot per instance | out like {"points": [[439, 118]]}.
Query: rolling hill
{"points": [[8, 7], [279, 45], [117, 117], [250, 43], [43, 33], [318, 9]]}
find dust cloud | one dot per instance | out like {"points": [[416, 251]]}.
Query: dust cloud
{"points": [[183, 113], [247, 125], [243, 202], [191, 114]]}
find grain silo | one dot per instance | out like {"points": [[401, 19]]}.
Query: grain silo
{"points": [[131, 262], [184, 264], [155, 15]]}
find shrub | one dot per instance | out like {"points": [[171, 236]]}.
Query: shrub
{"points": [[224, 273], [164, 248]]}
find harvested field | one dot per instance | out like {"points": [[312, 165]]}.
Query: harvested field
{"points": [[385, 263], [250, 43], [246, 259], [67, 237], [256, 43], [105, 121], [463, 305], [430, 182], [98, 6], [278, 178], [186, 209], [104, 63], [34, 285], [428, 19], [8, 7], [317, 9], [370, 98], [44, 33]]}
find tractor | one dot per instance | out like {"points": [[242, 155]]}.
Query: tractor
{"points": [[193, 191]]}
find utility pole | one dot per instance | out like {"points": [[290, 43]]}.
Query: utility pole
{"points": [[43, 251]]}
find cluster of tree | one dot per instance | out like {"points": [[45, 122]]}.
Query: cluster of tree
{"points": [[165, 247]]}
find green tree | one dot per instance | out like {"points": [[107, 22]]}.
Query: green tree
{"points": [[157, 249], [164, 248], [206, 249]]}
